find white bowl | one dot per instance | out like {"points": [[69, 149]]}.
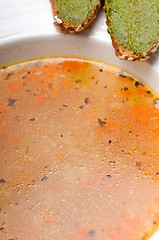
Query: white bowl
{"points": [[93, 43], [80, 45]]}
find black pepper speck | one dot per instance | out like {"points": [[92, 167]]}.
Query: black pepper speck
{"points": [[100, 122], [8, 75], [108, 176], [32, 119], [44, 179], [91, 233], [138, 165], [121, 74], [86, 100], [137, 84], [2, 181], [156, 103], [77, 81], [49, 85], [111, 162], [11, 102], [81, 107], [97, 81], [13, 239], [124, 89]]}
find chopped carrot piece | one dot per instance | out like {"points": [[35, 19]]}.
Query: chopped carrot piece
{"points": [[72, 237], [82, 232], [142, 112], [126, 231], [50, 73], [60, 155], [5, 130], [1, 113], [73, 66], [56, 187], [140, 91], [1, 108], [47, 218], [82, 183], [15, 86], [54, 93], [124, 94], [39, 99], [156, 131], [14, 139], [66, 84]]}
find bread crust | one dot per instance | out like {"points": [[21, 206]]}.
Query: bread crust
{"points": [[66, 27], [125, 53]]}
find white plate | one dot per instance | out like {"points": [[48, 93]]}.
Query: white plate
{"points": [[27, 32]]}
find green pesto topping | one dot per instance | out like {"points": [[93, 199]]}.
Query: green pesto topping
{"points": [[76, 12], [134, 23]]}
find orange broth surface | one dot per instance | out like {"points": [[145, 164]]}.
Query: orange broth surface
{"points": [[79, 152]]}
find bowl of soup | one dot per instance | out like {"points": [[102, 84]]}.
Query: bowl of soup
{"points": [[79, 138]]}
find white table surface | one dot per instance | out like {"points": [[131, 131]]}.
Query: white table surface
{"points": [[34, 17]]}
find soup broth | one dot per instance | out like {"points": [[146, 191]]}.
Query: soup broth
{"points": [[79, 152]]}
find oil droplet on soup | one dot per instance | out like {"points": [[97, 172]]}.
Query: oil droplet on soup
{"points": [[79, 150]]}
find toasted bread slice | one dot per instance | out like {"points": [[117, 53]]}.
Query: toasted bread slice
{"points": [[134, 27], [74, 15]]}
